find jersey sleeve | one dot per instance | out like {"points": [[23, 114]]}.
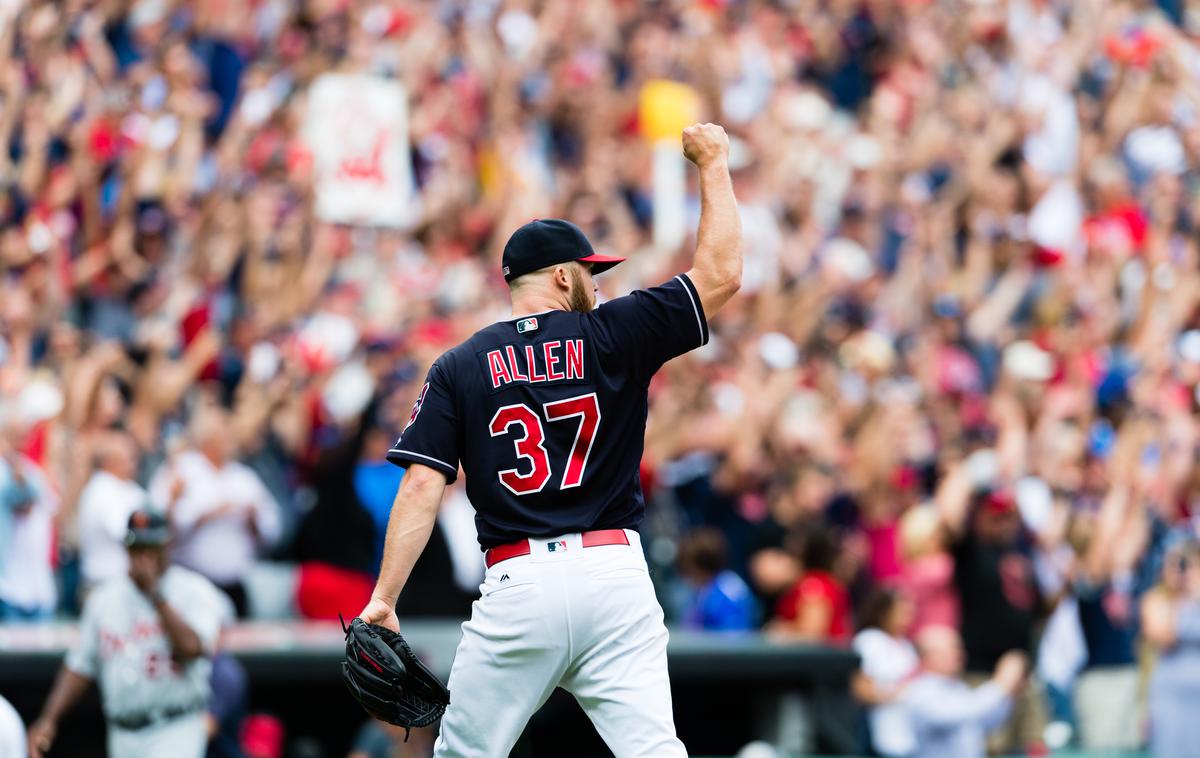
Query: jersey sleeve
{"points": [[650, 327], [206, 610], [84, 657], [431, 436]]}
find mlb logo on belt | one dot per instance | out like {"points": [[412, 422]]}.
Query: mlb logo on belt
{"points": [[527, 325], [557, 546]]}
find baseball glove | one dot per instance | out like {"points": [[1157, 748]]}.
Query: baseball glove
{"points": [[387, 680]]}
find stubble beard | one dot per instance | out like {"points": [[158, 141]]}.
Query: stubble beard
{"points": [[579, 298]]}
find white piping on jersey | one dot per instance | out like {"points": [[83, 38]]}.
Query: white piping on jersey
{"points": [[699, 321], [426, 457]]}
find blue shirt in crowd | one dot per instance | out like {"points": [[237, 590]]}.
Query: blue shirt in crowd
{"points": [[375, 483], [724, 604]]}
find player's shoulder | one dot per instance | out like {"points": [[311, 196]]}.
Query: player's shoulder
{"points": [[196, 592], [528, 328], [185, 581], [114, 592], [109, 591], [676, 289]]}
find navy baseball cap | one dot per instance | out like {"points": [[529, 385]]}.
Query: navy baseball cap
{"points": [[147, 529], [546, 242]]}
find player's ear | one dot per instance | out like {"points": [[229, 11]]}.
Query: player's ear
{"points": [[562, 277]]}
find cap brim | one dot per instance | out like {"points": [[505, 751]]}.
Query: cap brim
{"points": [[148, 537], [601, 263]]}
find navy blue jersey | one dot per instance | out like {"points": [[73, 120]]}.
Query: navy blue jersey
{"points": [[547, 413]]}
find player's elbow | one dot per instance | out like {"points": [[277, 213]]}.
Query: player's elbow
{"points": [[727, 274], [720, 288], [727, 287], [716, 284], [423, 486], [733, 279], [187, 650]]}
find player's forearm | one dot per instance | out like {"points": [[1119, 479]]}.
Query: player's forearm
{"points": [[68, 688], [414, 512], [717, 267]]}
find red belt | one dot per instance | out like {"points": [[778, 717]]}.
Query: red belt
{"points": [[519, 548]]}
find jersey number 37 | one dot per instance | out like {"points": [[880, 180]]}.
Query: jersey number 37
{"points": [[531, 447]]}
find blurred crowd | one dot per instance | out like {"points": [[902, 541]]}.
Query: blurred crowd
{"points": [[955, 404]]}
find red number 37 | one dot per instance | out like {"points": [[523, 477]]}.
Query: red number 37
{"points": [[531, 445]]}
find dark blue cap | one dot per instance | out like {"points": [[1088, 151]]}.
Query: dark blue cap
{"points": [[147, 529], [546, 242]]}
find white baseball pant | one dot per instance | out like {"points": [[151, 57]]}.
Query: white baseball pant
{"points": [[584, 619], [183, 737]]}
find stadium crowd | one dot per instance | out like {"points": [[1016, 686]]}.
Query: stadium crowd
{"points": [[954, 406]]}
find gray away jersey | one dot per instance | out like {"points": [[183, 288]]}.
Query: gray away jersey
{"points": [[123, 647]]}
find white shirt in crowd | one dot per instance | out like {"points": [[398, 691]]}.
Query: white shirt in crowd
{"points": [[124, 649], [457, 519], [888, 662], [27, 544], [105, 505], [952, 720], [223, 549], [12, 732]]}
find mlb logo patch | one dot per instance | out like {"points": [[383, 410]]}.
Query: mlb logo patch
{"points": [[527, 325], [558, 546]]}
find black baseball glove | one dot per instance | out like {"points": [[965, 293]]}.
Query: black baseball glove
{"points": [[387, 680]]}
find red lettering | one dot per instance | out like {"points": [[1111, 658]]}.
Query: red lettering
{"points": [[549, 352], [530, 446], [145, 630], [499, 371], [574, 359], [587, 408], [367, 167], [160, 664], [110, 644], [534, 376], [512, 362]]}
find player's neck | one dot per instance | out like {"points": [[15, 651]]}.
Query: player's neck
{"points": [[536, 302]]}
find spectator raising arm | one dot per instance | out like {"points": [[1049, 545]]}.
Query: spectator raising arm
{"points": [[987, 705], [953, 499]]}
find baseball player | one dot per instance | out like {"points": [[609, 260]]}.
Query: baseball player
{"points": [[546, 413], [12, 731], [146, 637]]}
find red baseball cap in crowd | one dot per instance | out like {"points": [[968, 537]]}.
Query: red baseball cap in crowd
{"points": [[262, 736], [546, 242], [1000, 501]]}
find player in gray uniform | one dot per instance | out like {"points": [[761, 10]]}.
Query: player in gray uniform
{"points": [[147, 638], [12, 731]]}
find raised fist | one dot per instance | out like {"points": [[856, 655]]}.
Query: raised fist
{"points": [[704, 144]]}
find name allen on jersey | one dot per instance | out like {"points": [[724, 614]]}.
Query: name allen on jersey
{"points": [[550, 361]]}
